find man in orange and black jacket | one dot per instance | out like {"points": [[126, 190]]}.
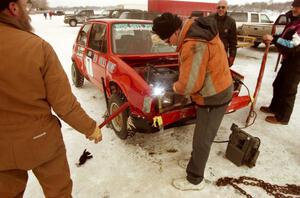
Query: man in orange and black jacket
{"points": [[204, 75]]}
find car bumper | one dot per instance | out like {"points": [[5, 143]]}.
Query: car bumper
{"points": [[185, 113]]}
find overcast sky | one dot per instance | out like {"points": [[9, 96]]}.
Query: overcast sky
{"points": [[53, 3]]}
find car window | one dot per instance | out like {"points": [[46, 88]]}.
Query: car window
{"points": [[124, 15], [239, 17], [254, 18], [83, 13], [82, 36], [97, 39], [282, 20], [137, 38], [265, 18]]}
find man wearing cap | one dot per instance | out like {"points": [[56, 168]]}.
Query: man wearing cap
{"points": [[204, 75], [227, 30], [286, 83], [32, 84]]}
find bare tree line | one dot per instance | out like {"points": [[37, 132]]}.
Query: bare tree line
{"points": [[40, 4], [256, 6], [260, 6]]}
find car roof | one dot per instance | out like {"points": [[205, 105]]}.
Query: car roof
{"points": [[108, 20], [125, 10]]}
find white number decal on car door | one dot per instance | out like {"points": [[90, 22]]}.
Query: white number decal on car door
{"points": [[88, 65]]}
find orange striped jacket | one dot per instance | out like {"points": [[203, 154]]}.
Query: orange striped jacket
{"points": [[203, 72]]}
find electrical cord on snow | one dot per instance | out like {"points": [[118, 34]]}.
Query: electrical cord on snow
{"points": [[253, 114]]}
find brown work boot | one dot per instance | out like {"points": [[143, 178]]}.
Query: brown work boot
{"points": [[274, 120], [265, 109]]}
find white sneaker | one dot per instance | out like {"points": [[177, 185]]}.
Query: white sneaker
{"points": [[185, 185], [183, 163]]}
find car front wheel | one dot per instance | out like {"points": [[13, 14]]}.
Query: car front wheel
{"points": [[73, 23], [119, 123], [77, 77]]}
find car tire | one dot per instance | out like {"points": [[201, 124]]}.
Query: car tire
{"points": [[119, 123], [73, 23], [256, 44], [77, 77]]}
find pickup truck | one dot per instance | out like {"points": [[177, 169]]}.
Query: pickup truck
{"points": [[255, 30], [78, 17], [242, 18], [252, 24], [125, 60]]}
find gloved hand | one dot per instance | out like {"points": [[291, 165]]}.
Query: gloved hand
{"points": [[96, 135], [231, 60]]}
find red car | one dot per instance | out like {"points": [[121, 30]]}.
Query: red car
{"points": [[130, 64]]}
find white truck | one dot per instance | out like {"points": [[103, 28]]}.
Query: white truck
{"points": [[252, 24]]}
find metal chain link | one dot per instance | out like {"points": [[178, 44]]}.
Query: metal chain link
{"points": [[275, 190]]}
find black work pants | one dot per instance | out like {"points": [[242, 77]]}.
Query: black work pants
{"points": [[207, 126], [285, 88]]}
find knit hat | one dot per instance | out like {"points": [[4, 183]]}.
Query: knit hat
{"points": [[166, 24], [5, 3], [296, 3]]}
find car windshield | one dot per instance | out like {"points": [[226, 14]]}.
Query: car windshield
{"points": [[137, 38]]}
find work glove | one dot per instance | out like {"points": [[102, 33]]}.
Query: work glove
{"points": [[96, 135], [230, 60]]}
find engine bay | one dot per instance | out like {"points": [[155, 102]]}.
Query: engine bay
{"points": [[161, 78]]}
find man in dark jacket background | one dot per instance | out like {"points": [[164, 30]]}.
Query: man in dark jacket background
{"points": [[286, 83], [227, 30]]}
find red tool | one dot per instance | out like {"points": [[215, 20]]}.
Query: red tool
{"points": [[115, 114], [258, 84]]}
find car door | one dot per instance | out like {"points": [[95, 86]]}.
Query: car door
{"points": [[280, 24], [80, 47], [256, 28], [96, 54]]}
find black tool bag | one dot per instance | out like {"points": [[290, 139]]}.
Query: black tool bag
{"points": [[242, 148]]}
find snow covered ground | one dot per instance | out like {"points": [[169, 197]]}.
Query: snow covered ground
{"points": [[144, 166]]}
